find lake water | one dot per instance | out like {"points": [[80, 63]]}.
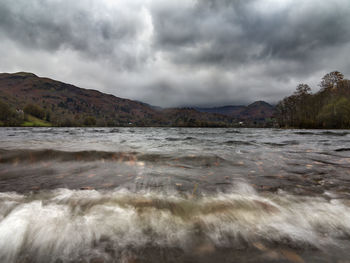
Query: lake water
{"points": [[174, 195]]}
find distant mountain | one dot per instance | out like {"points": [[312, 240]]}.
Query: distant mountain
{"points": [[61, 104], [257, 111], [225, 110]]}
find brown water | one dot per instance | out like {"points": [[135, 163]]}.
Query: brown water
{"points": [[174, 195]]}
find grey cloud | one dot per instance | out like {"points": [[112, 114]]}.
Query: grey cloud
{"points": [[178, 53], [91, 29], [232, 33]]}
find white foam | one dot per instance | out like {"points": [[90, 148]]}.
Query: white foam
{"points": [[67, 224]]}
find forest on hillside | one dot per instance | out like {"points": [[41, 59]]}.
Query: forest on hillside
{"points": [[33, 101], [29, 100], [329, 108]]}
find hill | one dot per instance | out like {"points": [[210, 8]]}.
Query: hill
{"points": [[225, 110], [29, 99], [68, 105], [257, 111]]}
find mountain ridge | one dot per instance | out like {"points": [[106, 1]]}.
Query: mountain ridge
{"points": [[258, 110], [68, 105]]}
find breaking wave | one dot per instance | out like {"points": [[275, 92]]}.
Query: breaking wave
{"points": [[33, 156], [79, 226]]}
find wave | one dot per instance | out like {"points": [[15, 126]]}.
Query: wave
{"points": [[342, 150], [305, 133], [174, 139], [236, 142], [71, 225], [27, 155], [330, 133], [335, 133], [233, 131]]}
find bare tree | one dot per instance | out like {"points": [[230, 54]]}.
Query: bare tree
{"points": [[302, 89], [330, 80]]}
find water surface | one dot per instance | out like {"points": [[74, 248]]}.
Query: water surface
{"points": [[174, 195]]}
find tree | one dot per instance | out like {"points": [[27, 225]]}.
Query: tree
{"points": [[330, 80], [5, 112], [34, 110], [90, 121], [335, 114], [9, 117], [302, 89], [328, 108], [48, 116]]}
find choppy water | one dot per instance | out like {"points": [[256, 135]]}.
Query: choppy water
{"points": [[174, 195]]}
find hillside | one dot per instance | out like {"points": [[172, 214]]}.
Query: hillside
{"points": [[50, 102], [224, 110], [67, 104], [257, 111]]}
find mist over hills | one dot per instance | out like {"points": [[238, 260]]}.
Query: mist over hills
{"points": [[63, 104]]}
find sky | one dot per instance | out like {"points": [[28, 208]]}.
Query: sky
{"points": [[178, 52]]}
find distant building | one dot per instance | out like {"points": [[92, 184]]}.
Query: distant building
{"points": [[20, 113]]}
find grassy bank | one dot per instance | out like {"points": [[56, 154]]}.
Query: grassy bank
{"points": [[35, 122]]}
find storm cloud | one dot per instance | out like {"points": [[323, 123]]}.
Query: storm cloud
{"points": [[178, 53]]}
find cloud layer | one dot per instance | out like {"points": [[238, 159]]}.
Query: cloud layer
{"points": [[175, 53]]}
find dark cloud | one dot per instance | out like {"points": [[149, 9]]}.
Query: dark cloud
{"points": [[232, 33], [92, 29], [184, 52]]}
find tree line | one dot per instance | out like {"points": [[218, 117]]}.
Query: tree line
{"points": [[329, 108], [19, 117]]}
